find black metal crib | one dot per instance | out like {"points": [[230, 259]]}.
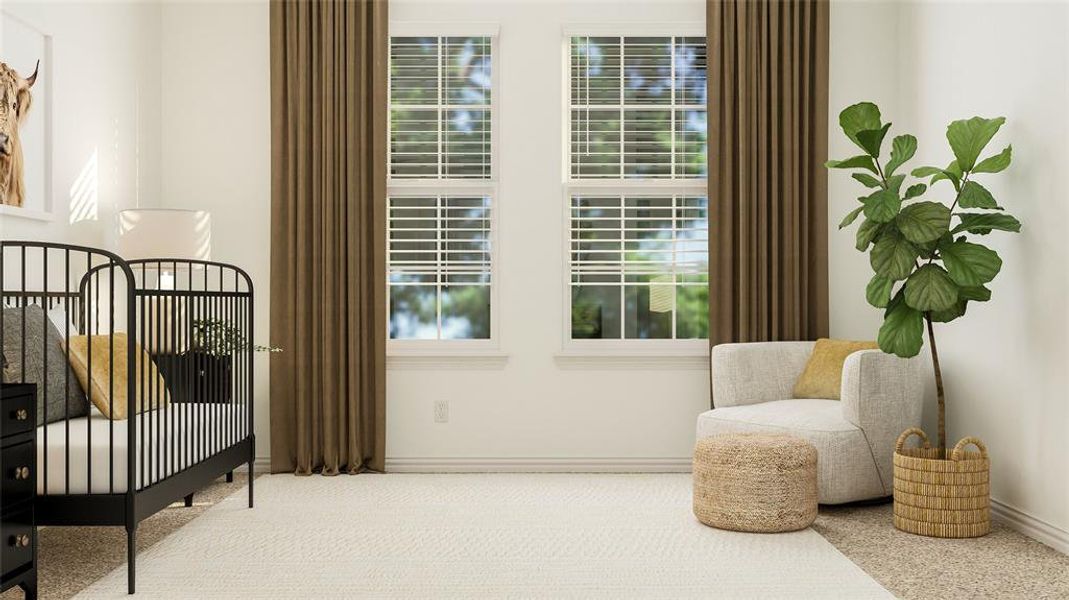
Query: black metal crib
{"points": [[186, 328]]}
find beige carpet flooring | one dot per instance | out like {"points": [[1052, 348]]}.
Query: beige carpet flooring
{"points": [[1004, 564]]}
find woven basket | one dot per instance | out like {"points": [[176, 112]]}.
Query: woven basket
{"points": [[940, 497]]}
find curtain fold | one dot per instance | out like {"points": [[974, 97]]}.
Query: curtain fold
{"points": [[768, 129], [328, 234]]}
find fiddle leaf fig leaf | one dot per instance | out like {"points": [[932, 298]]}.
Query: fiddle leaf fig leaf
{"points": [[996, 163], [866, 180], [984, 223], [948, 315], [977, 292], [930, 288], [863, 116], [974, 195], [903, 148], [882, 206], [860, 161], [866, 233], [915, 190], [968, 138], [923, 222], [851, 217], [893, 256], [895, 183], [878, 291], [969, 264], [902, 332], [952, 173], [872, 139]]}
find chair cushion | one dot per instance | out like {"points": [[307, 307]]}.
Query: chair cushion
{"points": [[823, 374], [846, 470]]}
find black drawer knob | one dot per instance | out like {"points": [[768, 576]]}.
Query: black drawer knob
{"points": [[22, 414], [20, 541], [22, 473]]}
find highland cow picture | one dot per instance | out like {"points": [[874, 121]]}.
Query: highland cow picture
{"points": [[25, 147]]}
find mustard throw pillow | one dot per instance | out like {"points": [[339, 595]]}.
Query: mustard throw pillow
{"points": [[823, 374], [115, 406]]}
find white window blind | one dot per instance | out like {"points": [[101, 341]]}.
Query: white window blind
{"points": [[440, 100], [638, 107], [440, 258], [638, 255]]}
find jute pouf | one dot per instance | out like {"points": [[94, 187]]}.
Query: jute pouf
{"points": [[755, 482]]}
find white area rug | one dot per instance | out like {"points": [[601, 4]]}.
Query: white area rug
{"points": [[480, 536]]}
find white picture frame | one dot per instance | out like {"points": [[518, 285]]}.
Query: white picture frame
{"points": [[22, 44]]}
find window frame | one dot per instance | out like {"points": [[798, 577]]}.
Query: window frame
{"points": [[423, 187], [615, 348]]}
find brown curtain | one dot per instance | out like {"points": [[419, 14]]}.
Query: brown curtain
{"points": [[768, 129], [328, 235]]}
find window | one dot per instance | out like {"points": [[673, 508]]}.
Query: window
{"points": [[441, 188], [637, 193]]}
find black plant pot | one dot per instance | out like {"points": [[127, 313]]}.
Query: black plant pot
{"points": [[196, 376]]}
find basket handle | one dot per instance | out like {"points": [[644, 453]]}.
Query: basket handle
{"points": [[959, 448], [901, 443]]}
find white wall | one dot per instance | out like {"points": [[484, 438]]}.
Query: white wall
{"points": [[1006, 364], [535, 407], [216, 142], [106, 105]]}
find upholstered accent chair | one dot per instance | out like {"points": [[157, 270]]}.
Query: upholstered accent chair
{"points": [[881, 396]]}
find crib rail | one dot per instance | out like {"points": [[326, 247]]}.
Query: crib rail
{"points": [[189, 384]]}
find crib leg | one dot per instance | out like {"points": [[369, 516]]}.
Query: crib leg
{"points": [[189, 500], [131, 555], [230, 477], [252, 476]]}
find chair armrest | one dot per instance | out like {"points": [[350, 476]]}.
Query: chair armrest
{"points": [[756, 372], [883, 395]]}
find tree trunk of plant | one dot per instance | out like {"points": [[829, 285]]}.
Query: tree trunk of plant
{"points": [[938, 385]]}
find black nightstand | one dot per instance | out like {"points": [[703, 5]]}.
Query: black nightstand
{"points": [[18, 487]]}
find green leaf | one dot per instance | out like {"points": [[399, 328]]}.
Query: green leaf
{"points": [[983, 223], [851, 217], [915, 190], [996, 163], [925, 171], [866, 180], [977, 292], [952, 172], [878, 291], [902, 332], [968, 137], [854, 119], [860, 161], [948, 315], [866, 233], [902, 149], [974, 195], [969, 264], [882, 206], [872, 139], [930, 288], [923, 221], [893, 256], [895, 183]]}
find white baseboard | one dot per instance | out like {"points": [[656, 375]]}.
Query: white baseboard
{"points": [[262, 464], [1034, 528], [538, 465]]}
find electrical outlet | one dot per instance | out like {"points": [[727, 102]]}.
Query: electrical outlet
{"points": [[441, 411]]}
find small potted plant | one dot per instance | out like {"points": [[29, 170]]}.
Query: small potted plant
{"points": [[205, 370], [927, 267]]}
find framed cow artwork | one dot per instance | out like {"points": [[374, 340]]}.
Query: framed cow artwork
{"points": [[25, 120]]}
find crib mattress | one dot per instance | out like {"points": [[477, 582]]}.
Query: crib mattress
{"points": [[179, 435]]}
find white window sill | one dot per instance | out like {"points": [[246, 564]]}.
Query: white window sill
{"points": [[651, 357], [430, 359]]}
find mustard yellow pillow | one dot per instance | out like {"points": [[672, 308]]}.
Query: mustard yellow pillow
{"points": [[115, 406], [823, 373]]}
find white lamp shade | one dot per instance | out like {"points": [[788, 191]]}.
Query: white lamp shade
{"points": [[165, 233]]}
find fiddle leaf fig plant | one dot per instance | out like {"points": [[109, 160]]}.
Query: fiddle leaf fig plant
{"points": [[927, 260]]}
